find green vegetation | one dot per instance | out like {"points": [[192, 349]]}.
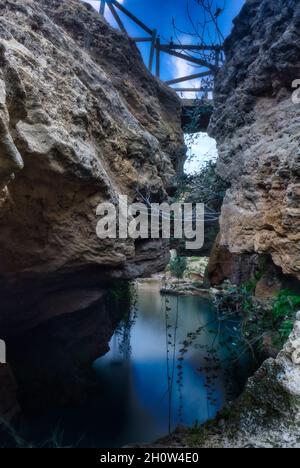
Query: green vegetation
{"points": [[284, 311], [122, 296], [208, 188], [121, 291], [178, 266], [11, 438], [204, 187], [263, 322]]}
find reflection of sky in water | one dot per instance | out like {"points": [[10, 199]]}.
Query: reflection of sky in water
{"points": [[141, 377], [128, 402]]}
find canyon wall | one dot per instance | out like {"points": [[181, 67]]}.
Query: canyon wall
{"points": [[81, 122], [257, 127]]}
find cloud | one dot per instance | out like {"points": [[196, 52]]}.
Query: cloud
{"points": [[182, 68], [201, 149], [96, 3]]}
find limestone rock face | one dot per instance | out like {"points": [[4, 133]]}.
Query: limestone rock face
{"points": [[257, 127], [81, 122], [225, 265]]}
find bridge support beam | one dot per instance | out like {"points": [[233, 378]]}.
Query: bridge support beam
{"points": [[116, 16], [158, 57], [189, 78], [153, 43], [102, 7], [131, 16], [212, 63]]}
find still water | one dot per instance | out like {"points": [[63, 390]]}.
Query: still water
{"points": [[165, 373], [171, 361]]}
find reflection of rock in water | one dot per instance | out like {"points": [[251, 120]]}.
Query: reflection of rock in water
{"points": [[52, 361], [8, 398], [27, 303]]}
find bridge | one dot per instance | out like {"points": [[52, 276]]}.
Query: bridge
{"points": [[209, 58]]}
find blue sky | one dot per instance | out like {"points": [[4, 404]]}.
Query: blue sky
{"points": [[159, 14]]}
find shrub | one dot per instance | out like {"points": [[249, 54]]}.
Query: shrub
{"points": [[284, 311], [259, 319], [178, 266]]}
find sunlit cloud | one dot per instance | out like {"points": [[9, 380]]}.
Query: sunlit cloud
{"points": [[180, 69], [96, 3]]}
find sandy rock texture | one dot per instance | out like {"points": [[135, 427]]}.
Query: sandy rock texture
{"points": [[81, 121], [257, 127]]}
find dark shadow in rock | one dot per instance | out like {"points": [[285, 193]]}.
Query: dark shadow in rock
{"points": [[52, 362]]}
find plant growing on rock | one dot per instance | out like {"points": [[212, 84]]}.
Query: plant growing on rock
{"points": [[264, 324], [178, 266], [284, 312]]}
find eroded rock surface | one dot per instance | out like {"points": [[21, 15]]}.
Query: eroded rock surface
{"points": [[81, 121], [257, 127]]}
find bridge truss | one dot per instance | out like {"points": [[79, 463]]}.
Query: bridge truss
{"points": [[209, 62]]}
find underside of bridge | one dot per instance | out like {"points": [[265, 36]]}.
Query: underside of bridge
{"points": [[196, 115], [207, 58]]}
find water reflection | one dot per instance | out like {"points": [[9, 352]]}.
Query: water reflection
{"points": [[170, 362], [179, 368]]}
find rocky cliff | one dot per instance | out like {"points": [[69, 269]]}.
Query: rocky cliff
{"points": [[257, 127], [81, 121]]}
